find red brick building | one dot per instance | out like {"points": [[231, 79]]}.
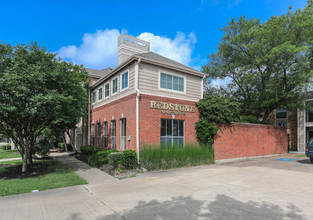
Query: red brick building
{"points": [[146, 99]]}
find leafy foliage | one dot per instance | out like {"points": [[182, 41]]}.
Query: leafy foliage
{"points": [[270, 64], [156, 157], [86, 150], [38, 91], [103, 155], [129, 159], [42, 148], [115, 158], [215, 110]]}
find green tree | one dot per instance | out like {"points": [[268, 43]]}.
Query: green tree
{"points": [[269, 64], [215, 110], [37, 91]]}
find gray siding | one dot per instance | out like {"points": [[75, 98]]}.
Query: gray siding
{"points": [[149, 83], [119, 94]]}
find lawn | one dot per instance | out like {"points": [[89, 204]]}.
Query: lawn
{"points": [[50, 174], [5, 154]]}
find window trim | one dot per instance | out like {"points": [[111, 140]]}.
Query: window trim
{"points": [[101, 87], [112, 93], [184, 130], [93, 101], [172, 74], [105, 97], [121, 76]]}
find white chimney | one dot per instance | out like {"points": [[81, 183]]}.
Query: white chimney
{"points": [[128, 46]]}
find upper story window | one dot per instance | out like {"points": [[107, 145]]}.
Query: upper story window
{"points": [[100, 93], [114, 86], [281, 113], [172, 82], [93, 97], [124, 81], [107, 90]]}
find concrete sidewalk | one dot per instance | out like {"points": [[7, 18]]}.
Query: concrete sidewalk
{"points": [[91, 175], [17, 158]]}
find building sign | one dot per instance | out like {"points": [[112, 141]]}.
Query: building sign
{"points": [[171, 108]]}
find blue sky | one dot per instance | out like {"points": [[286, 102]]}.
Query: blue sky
{"points": [[86, 31]]}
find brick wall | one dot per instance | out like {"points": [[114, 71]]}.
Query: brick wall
{"points": [[246, 140], [150, 120], [122, 108]]}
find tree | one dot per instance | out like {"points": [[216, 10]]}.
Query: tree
{"points": [[269, 64], [37, 91], [215, 110]]}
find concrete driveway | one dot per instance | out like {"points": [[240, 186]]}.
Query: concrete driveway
{"points": [[258, 189]]}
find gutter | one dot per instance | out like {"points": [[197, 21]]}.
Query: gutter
{"points": [[202, 86], [137, 107], [89, 112]]}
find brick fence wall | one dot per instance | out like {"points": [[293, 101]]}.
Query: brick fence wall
{"points": [[248, 140]]}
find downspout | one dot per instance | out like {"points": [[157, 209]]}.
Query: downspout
{"points": [[202, 86], [137, 107], [89, 111]]}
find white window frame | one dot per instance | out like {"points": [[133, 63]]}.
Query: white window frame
{"points": [[121, 77], [99, 94], [92, 100], [112, 93], [105, 97], [173, 74]]}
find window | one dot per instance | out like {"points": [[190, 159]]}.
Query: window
{"points": [[100, 93], [172, 132], [281, 118], [123, 134], [105, 134], [93, 98], [281, 113], [98, 134], [172, 82], [93, 135], [113, 134], [107, 90], [124, 81], [114, 86]]}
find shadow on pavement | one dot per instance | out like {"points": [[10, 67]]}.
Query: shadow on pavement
{"points": [[306, 161], [223, 207]]}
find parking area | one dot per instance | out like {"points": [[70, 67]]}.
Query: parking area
{"points": [[294, 162], [267, 188]]}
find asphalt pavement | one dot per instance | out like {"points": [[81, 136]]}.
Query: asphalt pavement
{"points": [[267, 188]]}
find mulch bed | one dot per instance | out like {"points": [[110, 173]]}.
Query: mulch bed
{"points": [[80, 157], [37, 169]]}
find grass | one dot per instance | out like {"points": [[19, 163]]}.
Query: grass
{"points": [[158, 157], [6, 154], [301, 156], [61, 176]]}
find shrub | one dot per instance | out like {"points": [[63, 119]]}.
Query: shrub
{"points": [[86, 150], [5, 147], [115, 158], [93, 160], [61, 146], [156, 157], [129, 159], [103, 155], [42, 148]]}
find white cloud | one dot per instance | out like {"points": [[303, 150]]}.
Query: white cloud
{"points": [[99, 50], [179, 49]]}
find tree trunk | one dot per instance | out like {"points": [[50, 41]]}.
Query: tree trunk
{"points": [[64, 141], [24, 168]]}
